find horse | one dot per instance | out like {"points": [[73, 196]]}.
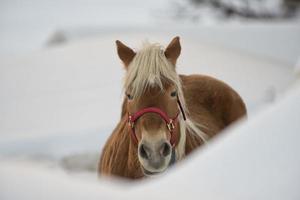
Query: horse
{"points": [[165, 116]]}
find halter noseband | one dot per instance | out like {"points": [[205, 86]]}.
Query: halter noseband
{"points": [[170, 122]]}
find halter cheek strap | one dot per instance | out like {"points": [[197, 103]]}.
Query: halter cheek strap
{"points": [[170, 122]]}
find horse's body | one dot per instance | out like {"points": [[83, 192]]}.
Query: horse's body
{"points": [[212, 106]]}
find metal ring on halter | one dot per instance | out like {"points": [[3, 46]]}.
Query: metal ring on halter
{"points": [[130, 122], [170, 125]]}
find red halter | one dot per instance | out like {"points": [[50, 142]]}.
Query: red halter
{"points": [[170, 122]]}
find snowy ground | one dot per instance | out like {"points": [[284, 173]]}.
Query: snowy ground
{"points": [[27, 25], [53, 100]]}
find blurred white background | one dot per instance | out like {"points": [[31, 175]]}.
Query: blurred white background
{"points": [[61, 80]]}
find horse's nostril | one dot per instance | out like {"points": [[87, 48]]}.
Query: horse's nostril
{"points": [[143, 151], [165, 149]]}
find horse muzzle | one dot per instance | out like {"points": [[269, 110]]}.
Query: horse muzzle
{"points": [[154, 157]]}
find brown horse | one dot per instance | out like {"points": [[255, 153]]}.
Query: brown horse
{"points": [[165, 116]]}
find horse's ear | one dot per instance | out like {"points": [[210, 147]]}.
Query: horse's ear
{"points": [[125, 53], [173, 50]]}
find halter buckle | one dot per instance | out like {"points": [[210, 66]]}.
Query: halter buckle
{"points": [[130, 122], [170, 125]]}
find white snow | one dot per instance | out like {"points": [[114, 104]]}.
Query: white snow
{"points": [[26, 25], [59, 104]]}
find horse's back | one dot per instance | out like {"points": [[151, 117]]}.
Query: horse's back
{"points": [[212, 102]]}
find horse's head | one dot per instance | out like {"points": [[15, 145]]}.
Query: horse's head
{"points": [[152, 92]]}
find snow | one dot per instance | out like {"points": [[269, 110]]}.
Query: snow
{"points": [[59, 103], [26, 25], [48, 183]]}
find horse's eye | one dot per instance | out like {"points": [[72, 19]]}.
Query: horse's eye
{"points": [[129, 96], [174, 94]]}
